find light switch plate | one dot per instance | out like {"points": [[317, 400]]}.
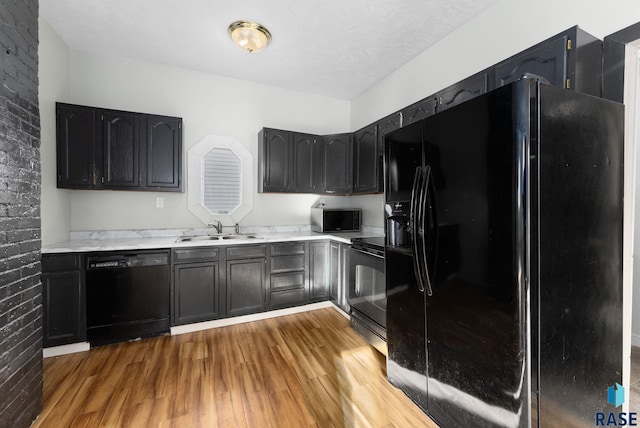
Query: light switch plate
{"points": [[159, 202]]}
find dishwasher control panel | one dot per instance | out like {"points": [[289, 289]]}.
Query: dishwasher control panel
{"points": [[107, 264]]}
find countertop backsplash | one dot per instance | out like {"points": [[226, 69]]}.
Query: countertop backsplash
{"points": [[164, 233], [112, 240]]}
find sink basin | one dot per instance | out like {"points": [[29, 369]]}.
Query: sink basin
{"points": [[241, 237], [196, 238], [216, 237]]}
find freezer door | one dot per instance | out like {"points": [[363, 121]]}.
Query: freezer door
{"points": [[406, 337], [477, 317]]}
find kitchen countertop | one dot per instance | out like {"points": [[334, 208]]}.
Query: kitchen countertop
{"points": [[144, 243]]}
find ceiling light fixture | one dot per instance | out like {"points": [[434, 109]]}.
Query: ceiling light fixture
{"points": [[250, 36]]}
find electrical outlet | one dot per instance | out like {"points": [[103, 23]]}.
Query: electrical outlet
{"points": [[159, 202]]}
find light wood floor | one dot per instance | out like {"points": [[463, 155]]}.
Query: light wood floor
{"points": [[303, 370]]}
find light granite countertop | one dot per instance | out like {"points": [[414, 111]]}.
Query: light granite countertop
{"points": [[96, 241]]}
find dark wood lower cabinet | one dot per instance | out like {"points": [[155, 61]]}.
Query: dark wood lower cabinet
{"points": [[196, 292], [208, 283], [288, 275], [339, 275], [63, 297], [319, 278], [246, 286]]}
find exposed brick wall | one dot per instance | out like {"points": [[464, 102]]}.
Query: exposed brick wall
{"points": [[20, 288]]}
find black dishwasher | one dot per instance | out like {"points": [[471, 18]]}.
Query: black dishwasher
{"points": [[127, 296]]}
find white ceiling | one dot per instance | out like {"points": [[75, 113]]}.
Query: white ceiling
{"points": [[335, 48]]}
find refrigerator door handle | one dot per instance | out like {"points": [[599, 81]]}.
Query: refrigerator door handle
{"points": [[414, 215], [426, 186]]}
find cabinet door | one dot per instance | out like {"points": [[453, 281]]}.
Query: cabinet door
{"points": [[304, 160], [417, 111], [196, 292], [467, 89], [163, 151], [246, 286], [367, 161], [319, 285], [275, 160], [336, 163], [548, 61], [343, 290], [388, 124], [121, 141], [77, 136], [335, 270], [63, 309]]}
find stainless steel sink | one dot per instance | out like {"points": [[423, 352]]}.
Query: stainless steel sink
{"points": [[216, 237]]}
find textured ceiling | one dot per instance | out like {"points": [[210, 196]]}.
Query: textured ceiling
{"points": [[336, 48]]}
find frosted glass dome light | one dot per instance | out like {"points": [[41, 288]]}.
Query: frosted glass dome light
{"points": [[250, 36]]}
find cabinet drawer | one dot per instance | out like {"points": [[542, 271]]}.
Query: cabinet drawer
{"points": [[246, 252], [287, 263], [282, 299], [287, 281], [287, 248], [60, 262], [197, 254]]}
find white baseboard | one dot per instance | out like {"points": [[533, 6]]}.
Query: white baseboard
{"points": [[55, 351], [340, 311], [190, 328]]}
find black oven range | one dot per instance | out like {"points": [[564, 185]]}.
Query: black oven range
{"points": [[367, 291]]}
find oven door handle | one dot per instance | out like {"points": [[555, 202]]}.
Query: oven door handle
{"points": [[367, 253]]}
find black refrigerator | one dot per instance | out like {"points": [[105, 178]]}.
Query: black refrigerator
{"points": [[504, 258]]}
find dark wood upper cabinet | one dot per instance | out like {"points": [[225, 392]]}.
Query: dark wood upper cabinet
{"points": [[419, 110], [293, 162], [121, 143], [274, 151], [110, 149], [367, 161], [571, 60], [164, 153], [353, 164], [547, 61], [304, 163], [464, 90], [388, 124], [336, 163], [77, 136]]}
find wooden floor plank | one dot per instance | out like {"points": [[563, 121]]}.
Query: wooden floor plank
{"points": [[303, 370]]}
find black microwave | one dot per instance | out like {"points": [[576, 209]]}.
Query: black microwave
{"points": [[335, 219]]}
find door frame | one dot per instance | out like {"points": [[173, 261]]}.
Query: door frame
{"points": [[621, 83]]}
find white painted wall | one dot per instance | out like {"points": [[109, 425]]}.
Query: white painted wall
{"points": [[207, 103], [506, 28], [53, 78], [212, 104]]}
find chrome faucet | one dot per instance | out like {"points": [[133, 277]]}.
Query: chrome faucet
{"points": [[217, 227]]}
